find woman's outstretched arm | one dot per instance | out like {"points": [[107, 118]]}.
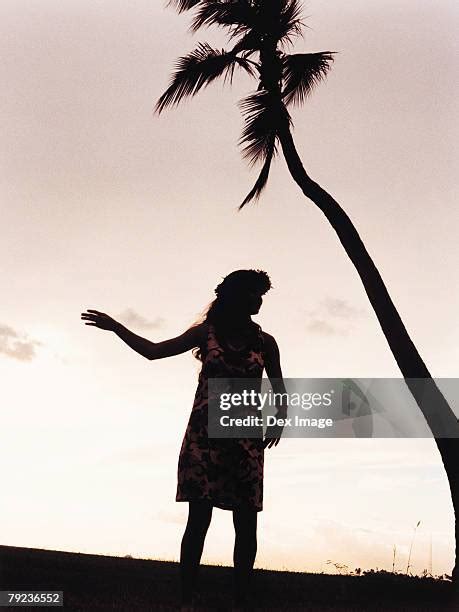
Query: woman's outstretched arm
{"points": [[191, 338]]}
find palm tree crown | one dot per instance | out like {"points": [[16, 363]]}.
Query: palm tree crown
{"points": [[260, 28]]}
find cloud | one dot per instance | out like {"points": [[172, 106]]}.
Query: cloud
{"points": [[130, 317], [15, 346], [332, 308], [319, 326], [341, 308], [176, 517]]}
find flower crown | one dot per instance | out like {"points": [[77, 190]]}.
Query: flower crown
{"points": [[244, 280]]}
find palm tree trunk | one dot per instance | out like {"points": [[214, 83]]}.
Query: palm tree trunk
{"points": [[431, 401]]}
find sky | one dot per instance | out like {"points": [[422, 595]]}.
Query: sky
{"points": [[105, 205]]}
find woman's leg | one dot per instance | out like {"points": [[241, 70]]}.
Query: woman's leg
{"points": [[199, 516], [245, 550]]}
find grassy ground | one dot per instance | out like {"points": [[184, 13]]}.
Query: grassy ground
{"points": [[97, 582]]}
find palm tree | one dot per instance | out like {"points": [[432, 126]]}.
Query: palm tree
{"points": [[262, 29]]}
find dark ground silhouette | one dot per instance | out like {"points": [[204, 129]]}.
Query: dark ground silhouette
{"points": [[97, 582]]}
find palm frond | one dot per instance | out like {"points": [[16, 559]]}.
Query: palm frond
{"points": [[263, 112], [290, 22], [183, 5], [279, 20], [239, 16], [248, 42], [301, 72], [196, 70], [261, 120], [270, 152]]}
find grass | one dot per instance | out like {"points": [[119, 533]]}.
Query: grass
{"points": [[98, 582]]}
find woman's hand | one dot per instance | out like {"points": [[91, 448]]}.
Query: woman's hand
{"points": [[99, 319], [270, 442], [274, 433]]}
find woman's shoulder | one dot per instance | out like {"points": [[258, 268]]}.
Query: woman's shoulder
{"points": [[267, 337], [199, 333], [269, 342], [202, 331]]}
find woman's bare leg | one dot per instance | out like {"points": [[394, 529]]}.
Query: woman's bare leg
{"points": [[199, 516], [245, 550]]}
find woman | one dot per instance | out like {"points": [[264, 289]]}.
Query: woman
{"points": [[227, 474]]}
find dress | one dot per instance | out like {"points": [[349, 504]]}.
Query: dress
{"points": [[228, 472]]}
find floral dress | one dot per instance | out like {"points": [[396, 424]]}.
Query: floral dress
{"points": [[228, 472]]}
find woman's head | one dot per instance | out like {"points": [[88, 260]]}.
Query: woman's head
{"points": [[239, 295], [241, 291]]}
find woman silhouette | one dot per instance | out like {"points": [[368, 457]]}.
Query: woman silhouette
{"points": [[225, 473]]}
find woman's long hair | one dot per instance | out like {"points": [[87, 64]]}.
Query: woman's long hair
{"points": [[231, 293]]}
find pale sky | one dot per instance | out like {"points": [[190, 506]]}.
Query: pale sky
{"points": [[106, 206]]}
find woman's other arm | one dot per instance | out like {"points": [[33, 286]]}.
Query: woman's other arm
{"points": [[191, 338], [272, 364], [274, 372]]}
